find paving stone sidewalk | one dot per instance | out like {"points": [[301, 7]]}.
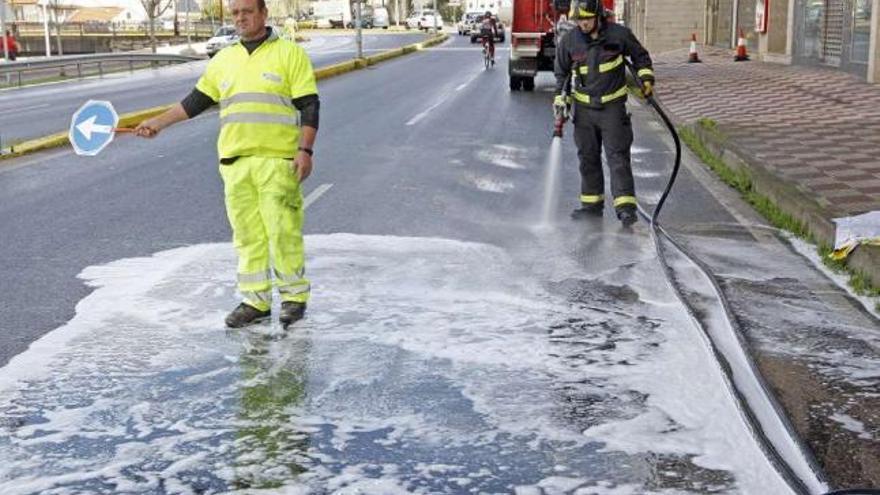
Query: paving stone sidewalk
{"points": [[814, 127]]}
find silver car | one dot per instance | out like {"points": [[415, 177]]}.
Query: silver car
{"points": [[224, 37]]}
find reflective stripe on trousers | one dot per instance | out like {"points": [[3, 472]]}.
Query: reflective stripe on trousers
{"points": [[264, 207]]}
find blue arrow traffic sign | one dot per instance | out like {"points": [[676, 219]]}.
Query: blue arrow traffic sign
{"points": [[92, 127]]}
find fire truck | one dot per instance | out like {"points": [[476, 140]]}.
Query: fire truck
{"points": [[534, 28]]}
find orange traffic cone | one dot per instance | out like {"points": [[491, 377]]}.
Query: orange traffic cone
{"points": [[693, 56], [741, 55]]}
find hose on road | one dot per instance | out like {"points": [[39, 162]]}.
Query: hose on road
{"points": [[793, 477]]}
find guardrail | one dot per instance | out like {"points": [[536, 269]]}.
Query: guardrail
{"points": [[7, 70]]}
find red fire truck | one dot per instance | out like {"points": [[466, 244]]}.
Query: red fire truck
{"points": [[533, 31]]}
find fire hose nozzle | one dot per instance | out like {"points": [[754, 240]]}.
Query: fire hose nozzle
{"points": [[561, 115]]}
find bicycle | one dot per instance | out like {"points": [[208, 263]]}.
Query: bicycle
{"points": [[488, 58]]}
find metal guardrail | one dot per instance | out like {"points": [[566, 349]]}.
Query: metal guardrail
{"points": [[7, 70]]}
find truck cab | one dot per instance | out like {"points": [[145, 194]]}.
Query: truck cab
{"points": [[533, 31]]}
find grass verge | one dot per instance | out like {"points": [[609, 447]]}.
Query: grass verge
{"points": [[741, 181]]}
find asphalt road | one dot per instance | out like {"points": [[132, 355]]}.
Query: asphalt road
{"points": [[436, 174], [38, 111]]}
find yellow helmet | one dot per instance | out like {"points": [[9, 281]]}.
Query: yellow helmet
{"points": [[585, 9]]}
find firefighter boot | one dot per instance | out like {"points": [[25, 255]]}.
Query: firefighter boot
{"points": [[627, 215], [291, 312], [245, 315], [586, 211]]}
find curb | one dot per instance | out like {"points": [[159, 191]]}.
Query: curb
{"points": [[789, 198], [133, 118]]}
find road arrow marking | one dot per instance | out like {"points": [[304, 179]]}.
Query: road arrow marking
{"points": [[88, 126]]}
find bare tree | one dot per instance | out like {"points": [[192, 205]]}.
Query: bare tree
{"points": [[56, 19], [154, 9]]}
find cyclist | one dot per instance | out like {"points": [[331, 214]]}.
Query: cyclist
{"points": [[488, 30]]}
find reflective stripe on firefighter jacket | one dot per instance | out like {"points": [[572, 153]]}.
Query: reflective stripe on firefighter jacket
{"points": [[257, 117], [593, 71]]}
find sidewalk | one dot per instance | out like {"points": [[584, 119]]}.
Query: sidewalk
{"points": [[809, 136], [809, 140]]}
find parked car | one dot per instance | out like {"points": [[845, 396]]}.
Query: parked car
{"points": [[366, 20], [425, 19], [465, 25], [224, 37], [475, 29], [381, 18]]}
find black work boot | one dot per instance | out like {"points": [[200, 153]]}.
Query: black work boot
{"points": [[587, 211], [627, 215], [291, 312], [245, 315]]}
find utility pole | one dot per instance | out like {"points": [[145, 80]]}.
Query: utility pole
{"points": [[3, 29], [435, 16], [188, 32], [359, 37], [397, 12], [46, 26]]}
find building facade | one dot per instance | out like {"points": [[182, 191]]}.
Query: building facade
{"points": [[841, 34]]}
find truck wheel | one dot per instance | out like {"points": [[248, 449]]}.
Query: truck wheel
{"points": [[515, 83], [528, 84]]}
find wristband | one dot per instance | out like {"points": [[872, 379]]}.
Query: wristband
{"points": [[307, 150]]}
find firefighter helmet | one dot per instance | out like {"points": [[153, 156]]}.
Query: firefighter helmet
{"points": [[585, 9]]}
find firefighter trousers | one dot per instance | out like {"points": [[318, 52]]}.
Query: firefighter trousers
{"points": [[609, 126], [265, 209]]}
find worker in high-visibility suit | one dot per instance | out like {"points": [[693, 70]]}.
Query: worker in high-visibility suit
{"points": [[269, 106], [590, 67]]}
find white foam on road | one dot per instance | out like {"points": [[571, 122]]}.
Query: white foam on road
{"points": [[425, 365]]}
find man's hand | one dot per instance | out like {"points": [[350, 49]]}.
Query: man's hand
{"points": [[148, 128], [647, 89], [560, 106], [302, 165]]}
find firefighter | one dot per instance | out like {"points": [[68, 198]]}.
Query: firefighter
{"points": [[268, 122], [590, 73]]}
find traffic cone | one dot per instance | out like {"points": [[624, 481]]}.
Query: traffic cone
{"points": [[741, 55], [693, 56]]}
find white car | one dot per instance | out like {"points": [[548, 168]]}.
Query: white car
{"points": [[224, 37], [467, 20], [424, 19]]}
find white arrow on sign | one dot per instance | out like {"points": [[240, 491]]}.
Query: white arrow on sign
{"points": [[88, 126]]}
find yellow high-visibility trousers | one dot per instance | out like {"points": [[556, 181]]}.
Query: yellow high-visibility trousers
{"points": [[265, 209]]}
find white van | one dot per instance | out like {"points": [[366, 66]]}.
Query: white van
{"points": [[380, 18]]}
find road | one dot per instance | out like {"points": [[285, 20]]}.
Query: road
{"points": [[38, 111], [454, 343]]}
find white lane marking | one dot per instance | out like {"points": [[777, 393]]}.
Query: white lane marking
{"points": [[21, 109], [42, 158], [415, 120], [365, 50], [464, 49], [462, 86], [315, 194]]}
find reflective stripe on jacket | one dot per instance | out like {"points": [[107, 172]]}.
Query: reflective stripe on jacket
{"points": [[594, 70], [257, 117]]}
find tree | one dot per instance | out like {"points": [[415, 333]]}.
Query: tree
{"points": [[154, 9], [213, 9], [55, 8]]}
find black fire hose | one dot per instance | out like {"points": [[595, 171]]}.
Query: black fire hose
{"points": [[796, 484], [672, 176]]}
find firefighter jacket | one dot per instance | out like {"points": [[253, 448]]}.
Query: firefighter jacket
{"points": [[593, 71], [257, 117]]}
